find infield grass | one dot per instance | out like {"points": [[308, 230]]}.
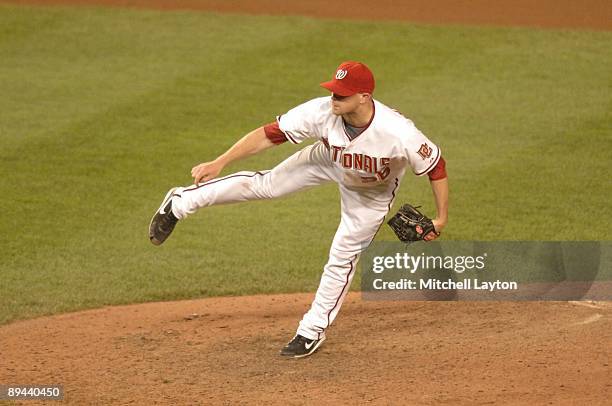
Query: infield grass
{"points": [[102, 110]]}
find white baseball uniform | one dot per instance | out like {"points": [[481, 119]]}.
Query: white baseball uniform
{"points": [[368, 170]]}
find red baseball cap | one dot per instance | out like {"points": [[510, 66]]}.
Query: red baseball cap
{"points": [[351, 77]]}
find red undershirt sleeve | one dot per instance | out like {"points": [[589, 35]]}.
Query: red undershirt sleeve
{"points": [[274, 133], [439, 171]]}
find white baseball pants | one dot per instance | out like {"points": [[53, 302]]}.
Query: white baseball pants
{"points": [[363, 211]]}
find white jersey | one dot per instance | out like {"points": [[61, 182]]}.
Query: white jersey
{"points": [[389, 144]]}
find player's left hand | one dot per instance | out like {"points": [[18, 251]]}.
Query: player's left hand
{"points": [[438, 225]]}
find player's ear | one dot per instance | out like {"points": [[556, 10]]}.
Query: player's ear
{"points": [[365, 97]]}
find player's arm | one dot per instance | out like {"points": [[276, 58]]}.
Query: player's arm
{"points": [[440, 192], [439, 185], [296, 126], [251, 144], [426, 158]]}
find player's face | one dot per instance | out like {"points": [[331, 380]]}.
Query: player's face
{"points": [[345, 104]]}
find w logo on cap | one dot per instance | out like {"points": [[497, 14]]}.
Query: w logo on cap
{"points": [[341, 74]]}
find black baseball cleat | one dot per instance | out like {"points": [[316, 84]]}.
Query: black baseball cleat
{"points": [[163, 221], [300, 347]]}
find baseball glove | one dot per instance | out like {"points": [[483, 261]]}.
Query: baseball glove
{"points": [[411, 225]]}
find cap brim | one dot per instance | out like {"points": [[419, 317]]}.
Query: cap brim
{"points": [[335, 87]]}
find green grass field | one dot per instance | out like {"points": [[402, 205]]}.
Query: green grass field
{"points": [[102, 110]]}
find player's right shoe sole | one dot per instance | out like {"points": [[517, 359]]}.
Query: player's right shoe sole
{"points": [[163, 221]]}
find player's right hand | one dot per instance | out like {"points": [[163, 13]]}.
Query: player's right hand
{"points": [[206, 171]]}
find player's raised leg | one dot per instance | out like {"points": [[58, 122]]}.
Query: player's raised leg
{"points": [[306, 168]]}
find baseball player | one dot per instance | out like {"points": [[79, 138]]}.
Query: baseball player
{"points": [[361, 144]]}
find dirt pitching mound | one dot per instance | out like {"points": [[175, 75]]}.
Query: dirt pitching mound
{"points": [[225, 350]]}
